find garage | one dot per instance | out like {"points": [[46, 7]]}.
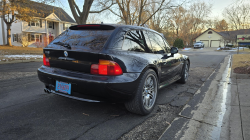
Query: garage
{"points": [[206, 43], [215, 43], [210, 37]]}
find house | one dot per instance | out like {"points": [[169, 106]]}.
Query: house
{"points": [[243, 39], [213, 38], [42, 30]]}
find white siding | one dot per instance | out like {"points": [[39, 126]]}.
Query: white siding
{"points": [[16, 28], [53, 32], [1, 33], [52, 17], [60, 28], [36, 29]]}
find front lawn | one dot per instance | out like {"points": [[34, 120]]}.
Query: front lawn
{"points": [[6, 50], [241, 63]]}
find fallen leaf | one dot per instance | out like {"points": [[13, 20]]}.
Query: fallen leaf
{"points": [[85, 114]]}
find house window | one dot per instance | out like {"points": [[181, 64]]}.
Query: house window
{"points": [[29, 36], [210, 32], [32, 37], [41, 40], [15, 37], [50, 24], [37, 38], [34, 23]]}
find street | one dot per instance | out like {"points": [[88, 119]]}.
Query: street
{"points": [[27, 112]]}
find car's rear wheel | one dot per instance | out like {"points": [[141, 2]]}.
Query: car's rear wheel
{"points": [[145, 97], [185, 73]]}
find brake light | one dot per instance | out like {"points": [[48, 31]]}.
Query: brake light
{"points": [[88, 25], [46, 61], [106, 67]]}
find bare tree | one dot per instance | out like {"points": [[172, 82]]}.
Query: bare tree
{"points": [[139, 12], [82, 16], [238, 16], [221, 25], [92, 19], [188, 22]]}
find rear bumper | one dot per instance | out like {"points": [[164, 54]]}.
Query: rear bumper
{"points": [[94, 87]]}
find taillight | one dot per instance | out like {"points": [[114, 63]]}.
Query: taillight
{"points": [[46, 61], [106, 67]]}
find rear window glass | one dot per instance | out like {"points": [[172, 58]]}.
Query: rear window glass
{"points": [[85, 40]]}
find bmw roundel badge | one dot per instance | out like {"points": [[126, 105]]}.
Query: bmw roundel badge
{"points": [[65, 53]]}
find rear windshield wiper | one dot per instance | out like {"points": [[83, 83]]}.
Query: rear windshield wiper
{"points": [[66, 45]]}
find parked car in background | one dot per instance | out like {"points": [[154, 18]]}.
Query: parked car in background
{"points": [[199, 44], [117, 63]]}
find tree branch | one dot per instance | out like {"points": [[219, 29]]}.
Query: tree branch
{"points": [[77, 8], [72, 8], [106, 8], [154, 12]]}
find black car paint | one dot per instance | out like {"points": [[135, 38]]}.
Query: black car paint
{"points": [[169, 68]]}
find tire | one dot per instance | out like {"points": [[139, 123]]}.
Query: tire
{"points": [[144, 100], [184, 76]]}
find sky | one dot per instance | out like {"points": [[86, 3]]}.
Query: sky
{"points": [[216, 12], [220, 5]]}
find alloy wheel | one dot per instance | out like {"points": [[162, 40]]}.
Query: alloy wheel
{"points": [[186, 72], [149, 92]]}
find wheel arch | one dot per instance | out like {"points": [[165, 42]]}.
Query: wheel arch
{"points": [[154, 68]]}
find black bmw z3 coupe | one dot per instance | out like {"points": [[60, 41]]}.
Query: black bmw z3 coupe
{"points": [[117, 63]]}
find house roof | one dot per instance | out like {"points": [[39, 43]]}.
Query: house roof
{"points": [[235, 33], [227, 34], [207, 30], [44, 10]]}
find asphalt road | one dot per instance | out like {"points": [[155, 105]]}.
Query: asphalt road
{"points": [[26, 112]]}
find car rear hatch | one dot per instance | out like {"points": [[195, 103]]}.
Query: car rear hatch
{"points": [[78, 47]]}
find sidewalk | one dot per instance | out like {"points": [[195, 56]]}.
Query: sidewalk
{"points": [[239, 124]]}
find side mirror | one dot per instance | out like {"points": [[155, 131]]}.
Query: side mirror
{"points": [[174, 50]]}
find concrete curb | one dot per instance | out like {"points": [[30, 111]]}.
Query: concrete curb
{"points": [[20, 61], [177, 124]]}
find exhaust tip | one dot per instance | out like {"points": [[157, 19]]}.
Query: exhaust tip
{"points": [[46, 90]]}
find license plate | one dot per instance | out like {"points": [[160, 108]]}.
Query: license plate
{"points": [[63, 87]]}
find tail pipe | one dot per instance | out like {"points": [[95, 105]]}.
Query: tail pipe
{"points": [[47, 90]]}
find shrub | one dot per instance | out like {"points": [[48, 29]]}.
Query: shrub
{"points": [[178, 43], [23, 39]]}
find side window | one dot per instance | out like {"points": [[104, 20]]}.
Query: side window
{"points": [[167, 47], [137, 41], [158, 45]]}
